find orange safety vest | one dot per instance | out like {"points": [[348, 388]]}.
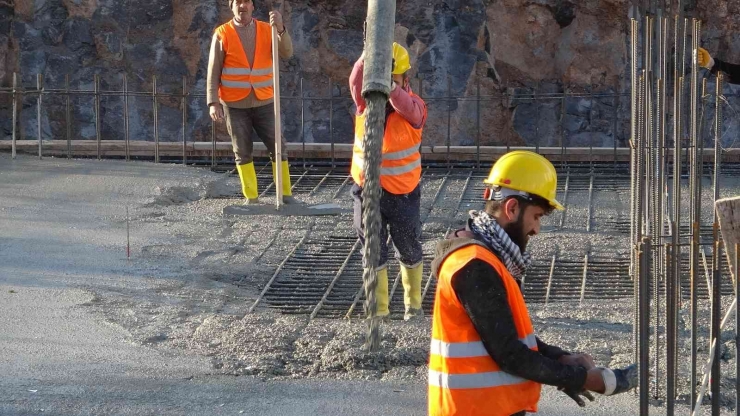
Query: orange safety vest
{"points": [[238, 77], [400, 168], [463, 378]]}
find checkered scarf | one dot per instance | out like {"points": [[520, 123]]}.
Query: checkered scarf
{"points": [[486, 227]]}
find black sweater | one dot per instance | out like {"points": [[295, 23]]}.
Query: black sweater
{"points": [[732, 70], [483, 295]]}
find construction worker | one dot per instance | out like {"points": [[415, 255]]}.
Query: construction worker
{"points": [[400, 172], [485, 358], [240, 88], [705, 60]]}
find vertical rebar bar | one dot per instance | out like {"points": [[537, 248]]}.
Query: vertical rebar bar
{"points": [[155, 116], [125, 117], [634, 97], [477, 121], [583, 280], [39, 89], [549, 279], [737, 332], [695, 228], [537, 118], [449, 118], [303, 123], [670, 312], [213, 144], [331, 121], [15, 115], [68, 116], [644, 323], [184, 119], [716, 316], [96, 81], [717, 135]]}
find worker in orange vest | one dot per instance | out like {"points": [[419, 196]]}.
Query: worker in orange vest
{"points": [[400, 172], [240, 89], [485, 358]]}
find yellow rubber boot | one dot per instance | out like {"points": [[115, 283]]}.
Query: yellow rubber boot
{"points": [[381, 293], [248, 177], [411, 279], [287, 191]]}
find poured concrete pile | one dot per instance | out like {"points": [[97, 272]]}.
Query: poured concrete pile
{"points": [[193, 274]]}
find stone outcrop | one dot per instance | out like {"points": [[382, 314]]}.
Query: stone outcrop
{"points": [[511, 59]]}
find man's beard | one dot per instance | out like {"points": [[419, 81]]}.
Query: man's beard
{"points": [[515, 230]]}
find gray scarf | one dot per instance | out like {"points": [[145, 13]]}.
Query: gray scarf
{"points": [[486, 227]]}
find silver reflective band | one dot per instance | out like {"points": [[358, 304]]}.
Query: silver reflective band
{"points": [[398, 170], [265, 71], [236, 84], [469, 349], [458, 349], [473, 381], [236, 71], [262, 84], [401, 154]]}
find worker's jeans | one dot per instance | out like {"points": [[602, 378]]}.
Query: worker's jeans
{"points": [[242, 122], [400, 214]]}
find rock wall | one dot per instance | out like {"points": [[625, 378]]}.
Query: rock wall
{"points": [[518, 56]]}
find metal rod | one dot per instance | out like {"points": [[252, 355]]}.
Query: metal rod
{"points": [[155, 109], [68, 117], [549, 279], [303, 124], [717, 135], [331, 121], [695, 177], [583, 282], [96, 82], [737, 333], [644, 324], [477, 121], [40, 87], [184, 119], [449, 118], [125, 117], [590, 201], [213, 143], [670, 312], [565, 198], [716, 315]]}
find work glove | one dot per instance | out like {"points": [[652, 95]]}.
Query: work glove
{"points": [[704, 59], [576, 395], [619, 380]]}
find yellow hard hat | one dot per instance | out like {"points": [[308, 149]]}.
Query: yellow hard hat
{"points": [[401, 62], [526, 172]]}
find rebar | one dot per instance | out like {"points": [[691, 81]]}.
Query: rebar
{"points": [[155, 117], [125, 117], [184, 119], [15, 115], [96, 100], [40, 87], [68, 118]]}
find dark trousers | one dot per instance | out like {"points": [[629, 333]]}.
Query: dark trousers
{"points": [[241, 122], [400, 214]]}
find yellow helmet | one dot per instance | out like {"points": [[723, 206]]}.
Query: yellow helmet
{"points": [[401, 62], [527, 172]]}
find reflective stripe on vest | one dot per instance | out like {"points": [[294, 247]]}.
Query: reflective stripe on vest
{"points": [[474, 380], [238, 77], [469, 349], [400, 168], [463, 378]]}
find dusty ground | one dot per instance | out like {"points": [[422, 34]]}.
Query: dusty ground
{"points": [[197, 272]]}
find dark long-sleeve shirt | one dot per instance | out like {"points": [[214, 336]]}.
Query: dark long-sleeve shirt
{"points": [[732, 70], [482, 293]]}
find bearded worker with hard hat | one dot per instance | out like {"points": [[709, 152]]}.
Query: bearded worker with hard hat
{"points": [[240, 89], [400, 172], [485, 358]]}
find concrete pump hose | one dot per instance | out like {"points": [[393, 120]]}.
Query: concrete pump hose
{"points": [[376, 87]]}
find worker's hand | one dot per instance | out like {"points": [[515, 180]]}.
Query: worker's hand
{"points": [[276, 19], [594, 380], [583, 360], [216, 111], [576, 395], [704, 59]]}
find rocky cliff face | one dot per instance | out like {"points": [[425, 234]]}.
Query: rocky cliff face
{"points": [[501, 50]]}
